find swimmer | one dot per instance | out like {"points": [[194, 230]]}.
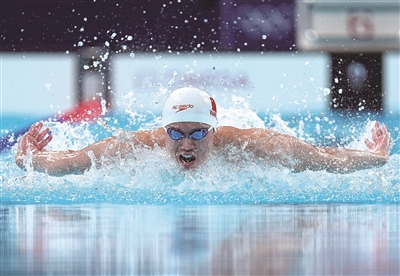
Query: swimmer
{"points": [[190, 133]]}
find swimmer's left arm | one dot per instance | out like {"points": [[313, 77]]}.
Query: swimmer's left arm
{"points": [[291, 152], [338, 160], [299, 155]]}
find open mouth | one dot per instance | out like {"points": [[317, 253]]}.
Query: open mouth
{"points": [[187, 158]]}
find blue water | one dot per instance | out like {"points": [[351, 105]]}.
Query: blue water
{"points": [[247, 182], [147, 217]]}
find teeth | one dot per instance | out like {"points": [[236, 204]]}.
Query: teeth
{"points": [[187, 158]]}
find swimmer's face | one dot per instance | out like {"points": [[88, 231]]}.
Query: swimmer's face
{"points": [[188, 151]]}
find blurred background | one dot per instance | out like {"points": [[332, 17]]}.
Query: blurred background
{"points": [[281, 56]]}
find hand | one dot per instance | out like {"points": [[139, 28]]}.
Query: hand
{"points": [[34, 140], [380, 143]]}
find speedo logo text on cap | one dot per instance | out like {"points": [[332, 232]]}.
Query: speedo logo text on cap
{"points": [[181, 107]]}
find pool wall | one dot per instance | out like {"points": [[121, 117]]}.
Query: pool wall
{"points": [[43, 84]]}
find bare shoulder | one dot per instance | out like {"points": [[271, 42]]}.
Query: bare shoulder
{"points": [[234, 132], [150, 138], [125, 142], [228, 135]]}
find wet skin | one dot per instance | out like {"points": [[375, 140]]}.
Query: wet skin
{"points": [[274, 147], [188, 152]]}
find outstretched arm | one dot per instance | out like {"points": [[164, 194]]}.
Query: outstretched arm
{"points": [[291, 152], [342, 160], [31, 148], [59, 163]]}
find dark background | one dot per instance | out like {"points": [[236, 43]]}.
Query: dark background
{"points": [[174, 26], [147, 25]]}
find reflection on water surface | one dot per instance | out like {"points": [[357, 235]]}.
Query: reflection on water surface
{"points": [[199, 240]]}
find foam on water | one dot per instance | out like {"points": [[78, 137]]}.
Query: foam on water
{"points": [[150, 177]]}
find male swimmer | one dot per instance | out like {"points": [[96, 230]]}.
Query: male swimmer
{"points": [[190, 133]]}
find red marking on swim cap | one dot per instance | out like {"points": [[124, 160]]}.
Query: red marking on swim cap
{"points": [[213, 111]]}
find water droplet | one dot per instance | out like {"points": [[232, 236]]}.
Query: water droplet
{"points": [[326, 91]]}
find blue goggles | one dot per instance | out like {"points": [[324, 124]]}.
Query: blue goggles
{"points": [[197, 134]]}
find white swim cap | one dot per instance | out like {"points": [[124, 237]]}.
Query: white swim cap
{"points": [[189, 105]]}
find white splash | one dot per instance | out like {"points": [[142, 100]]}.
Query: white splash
{"points": [[149, 176]]}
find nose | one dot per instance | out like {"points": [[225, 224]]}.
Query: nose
{"points": [[187, 143]]}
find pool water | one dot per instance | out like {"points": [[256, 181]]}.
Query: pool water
{"points": [[147, 217], [150, 177]]}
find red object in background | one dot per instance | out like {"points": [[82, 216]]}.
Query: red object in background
{"points": [[85, 112]]}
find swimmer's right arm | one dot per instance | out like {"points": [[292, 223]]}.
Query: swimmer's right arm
{"points": [[60, 163], [56, 163]]}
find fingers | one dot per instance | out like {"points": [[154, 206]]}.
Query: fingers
{"points": [[369, 144], [380, 140], [378, 131], [42, 134], [33, 143], [35, 128], [35, 138], [384, 130], [45, 142], [23, 145]]}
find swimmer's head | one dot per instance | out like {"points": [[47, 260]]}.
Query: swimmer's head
{"points": [[189, 104]]}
